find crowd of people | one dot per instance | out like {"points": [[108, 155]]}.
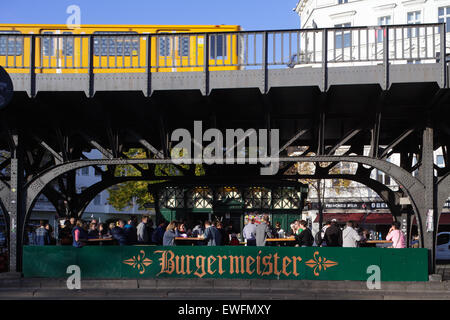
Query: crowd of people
{"points": [[331, 235], [77, 232], [353, 236]]}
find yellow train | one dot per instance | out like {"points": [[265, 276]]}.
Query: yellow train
{"points": [[118, 48]]}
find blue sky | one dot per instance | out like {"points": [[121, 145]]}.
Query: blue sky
{"points": [[250, 14]]}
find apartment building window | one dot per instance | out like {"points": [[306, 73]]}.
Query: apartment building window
{"points": [[444, 17], [413, 17], [342, 38], [382, 21]]}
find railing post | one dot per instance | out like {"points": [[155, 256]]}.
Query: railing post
{"points": [[91, 66], [443, 57], [206, 64], [386, 58], [149, 65], [324, 60], [265, 62], [33, 65]]}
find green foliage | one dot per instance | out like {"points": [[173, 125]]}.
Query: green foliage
{"points": [[121, 196]]}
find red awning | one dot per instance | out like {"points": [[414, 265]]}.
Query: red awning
{"points": [[444, 219], [371, 218]]}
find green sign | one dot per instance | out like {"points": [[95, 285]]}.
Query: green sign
{"points": [[294, 263]]}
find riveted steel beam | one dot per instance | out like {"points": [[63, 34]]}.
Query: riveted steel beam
{"points": [[394, 143]]}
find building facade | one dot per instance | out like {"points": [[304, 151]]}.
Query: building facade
{"points": [[343, 13]]}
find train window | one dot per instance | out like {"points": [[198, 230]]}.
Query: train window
{"points": [[67, 45], [183, 46], [217, 46], [11, 45], [47, 45], [112, 46], [164, 46]]}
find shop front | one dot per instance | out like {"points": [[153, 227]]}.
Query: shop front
{"points": [[232, 205]]}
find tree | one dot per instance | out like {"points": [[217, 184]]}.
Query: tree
{"points": [[125, 195], [319, 185]]}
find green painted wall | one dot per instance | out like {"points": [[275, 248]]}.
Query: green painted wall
{"points": [[226, 262]]}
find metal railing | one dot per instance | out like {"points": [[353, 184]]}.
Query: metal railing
{"points": [[78, 53]]}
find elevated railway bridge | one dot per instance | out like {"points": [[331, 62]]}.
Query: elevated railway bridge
{"points": [[383, 87]]}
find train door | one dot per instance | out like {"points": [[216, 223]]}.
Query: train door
{"points": [[56, 53], [178, 52], [119, 50], [223, 51]]}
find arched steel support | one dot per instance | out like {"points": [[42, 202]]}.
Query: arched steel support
{"points": [[410, 184]]}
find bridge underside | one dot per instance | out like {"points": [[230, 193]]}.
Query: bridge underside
{"points": [[47, 135]]}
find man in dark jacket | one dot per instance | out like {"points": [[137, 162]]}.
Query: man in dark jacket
{"points": [[158, 234], [130, 232], [42, 236], [305, 238], [212, 235], [333, 235], [119, 234], [263, 231]]}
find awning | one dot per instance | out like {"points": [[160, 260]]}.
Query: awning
{"points": [[444, 219], [371, 218]]}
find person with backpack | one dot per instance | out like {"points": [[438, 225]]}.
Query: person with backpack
{"points": [[319, 239]]}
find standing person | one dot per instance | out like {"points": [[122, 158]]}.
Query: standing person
{"points": [[102, 231], [150, 230], [249, 233], [142, 231], [396, 236], [293, 229], [198, 230], [119, 234], [263, 231], [333, 235], [169, 235], [73, 223], [108, 234], [224, 237], [320, 236], [42, 236], [79, 235], [130, 232], [350, 236], [305, 238], [158, 234], [93, 232], [415, 241], [30, 236], [279, 232], [65, 234], [212, 235], [50, 234]]}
